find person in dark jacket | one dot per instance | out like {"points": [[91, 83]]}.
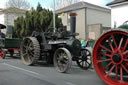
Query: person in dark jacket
{"points": [[2, 35]]}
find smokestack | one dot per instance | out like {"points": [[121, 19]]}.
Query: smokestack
{"points": [[73, 24]]}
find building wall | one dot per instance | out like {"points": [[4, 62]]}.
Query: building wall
{"points": [[2, 22], [10, 17], [1, 18], [95, 31], [7, 16], [119, 14], [94, 16], [99, 17], [80, 22], [64, 18]]}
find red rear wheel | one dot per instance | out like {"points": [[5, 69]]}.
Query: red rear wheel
{"points": [[110, 57]]}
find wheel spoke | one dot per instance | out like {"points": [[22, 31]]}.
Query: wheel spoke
{"points": [[111, 45], [126, 60], [121, 42], [106, 54], [24, 47], [126, 44], [99, 61], [114, 40], [107, 65], [88, 55], [105, 48], [110, 70], [125, 52], [124, 68], [24, 54], [87, 62], [63, 66], [30, 45], [29, 42], [80, 61], [116, 73], [30, 48], [121, 74], [83, 64], [65, 61], [25, 43], [30, 59], [31, 53]]}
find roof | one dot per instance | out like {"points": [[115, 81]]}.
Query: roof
{"points": [[81, 5], [2, 26], [14, 8], [116, 2], [11, 9]]}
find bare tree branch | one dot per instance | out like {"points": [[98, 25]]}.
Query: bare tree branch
{"points": [[22, 4], [64, 3]]}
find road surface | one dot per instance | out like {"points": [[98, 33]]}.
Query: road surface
{"points": [[14, 72]]}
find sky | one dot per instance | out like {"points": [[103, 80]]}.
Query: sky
{"points": [[47, 3]]}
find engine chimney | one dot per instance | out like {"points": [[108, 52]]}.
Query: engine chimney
{"points": [[73, 24]]}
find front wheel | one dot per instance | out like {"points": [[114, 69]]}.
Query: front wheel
{"points": [[62, 60], [2, 54], [84, 61], [110, 57]]}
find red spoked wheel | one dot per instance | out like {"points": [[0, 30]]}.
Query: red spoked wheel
{"points": [[2, 54], [110, 57]]}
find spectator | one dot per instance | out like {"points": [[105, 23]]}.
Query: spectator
{"points": [[2, 35], [83, 43]]}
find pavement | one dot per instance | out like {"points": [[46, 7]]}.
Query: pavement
{"points": [[14, 72]]}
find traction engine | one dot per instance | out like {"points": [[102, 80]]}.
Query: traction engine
{"points": [[60, 47]]}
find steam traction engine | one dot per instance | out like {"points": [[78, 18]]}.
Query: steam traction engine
{"points": [[110, 56], [60, 47]]}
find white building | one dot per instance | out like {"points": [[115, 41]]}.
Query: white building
{"points": [[8, 15], [87, 14], [119, 12]]}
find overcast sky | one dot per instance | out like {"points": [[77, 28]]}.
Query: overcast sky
{"points": [[46, 3]]}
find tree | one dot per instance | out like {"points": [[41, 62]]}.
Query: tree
{"points": [[22, 4], [39, 8], [38, 19]]}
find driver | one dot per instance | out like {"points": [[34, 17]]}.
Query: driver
{"points": [[2, 35]]}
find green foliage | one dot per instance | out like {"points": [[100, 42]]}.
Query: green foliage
{"points": [[35, 20]]}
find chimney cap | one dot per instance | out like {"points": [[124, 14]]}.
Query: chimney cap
{"points": [[73, 14]]}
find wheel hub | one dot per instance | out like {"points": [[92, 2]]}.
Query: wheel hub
{"points": [[116, 58], [61, 61], [84, 58]]}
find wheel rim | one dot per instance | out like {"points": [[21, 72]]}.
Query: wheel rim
{"points": [[110, 57], [1, 54], [62, 60], [84, 60], [30, 51]]}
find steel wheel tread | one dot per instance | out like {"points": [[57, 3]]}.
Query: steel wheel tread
{"points": [[36, 52]]}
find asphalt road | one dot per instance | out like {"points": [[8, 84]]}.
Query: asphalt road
{"points": [[14, 72]]}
